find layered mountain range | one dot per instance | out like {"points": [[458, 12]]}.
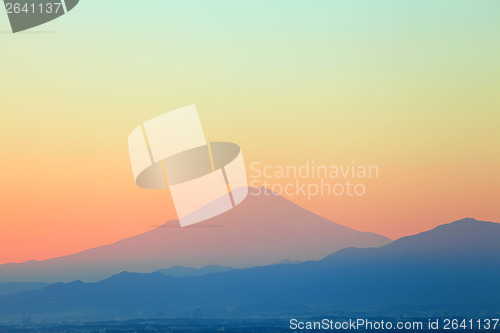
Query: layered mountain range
{"points": [[453, 268], [264, 229]]}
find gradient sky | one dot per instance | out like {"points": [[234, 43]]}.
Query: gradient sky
{"points": [[409, 86]]}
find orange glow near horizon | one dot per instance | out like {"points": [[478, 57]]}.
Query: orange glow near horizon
{"points": [[409, 87]]}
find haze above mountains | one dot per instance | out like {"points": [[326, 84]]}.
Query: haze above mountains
{"points": [[262, 230]]}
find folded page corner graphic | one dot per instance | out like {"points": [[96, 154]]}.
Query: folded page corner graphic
{"points": [[205, 179], [70, 4], [27, 14]]}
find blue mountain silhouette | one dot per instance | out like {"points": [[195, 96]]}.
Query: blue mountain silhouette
{"points": [[17, 287], [262, 230], [452, 268], [182, 271]]}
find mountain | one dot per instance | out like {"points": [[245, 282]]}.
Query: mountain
{"points": [[181, 271], [451, 269], [288, 261], [18, 287], [262, 230]]}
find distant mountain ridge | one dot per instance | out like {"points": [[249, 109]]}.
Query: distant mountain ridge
{"points": [[18, 287], [459, 236], [453, 268], [262, 230], [181, 271]]}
